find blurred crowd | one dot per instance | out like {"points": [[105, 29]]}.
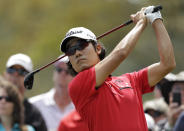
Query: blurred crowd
{"points": [[166, 111], [54, 110], [49, 111]]}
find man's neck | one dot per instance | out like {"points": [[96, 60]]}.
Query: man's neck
{"points": [[61, 97]]}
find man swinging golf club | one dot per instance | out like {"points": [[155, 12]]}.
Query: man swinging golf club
{"points": [[29, 79], [108, 103]]}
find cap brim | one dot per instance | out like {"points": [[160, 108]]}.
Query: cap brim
{"points": [[12, 63], [63, 44], [65, 40]]}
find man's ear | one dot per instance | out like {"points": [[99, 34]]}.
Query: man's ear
{"points": [[98, 48]]}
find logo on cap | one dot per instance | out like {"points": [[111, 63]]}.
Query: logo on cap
{"points": [[73, 32]]}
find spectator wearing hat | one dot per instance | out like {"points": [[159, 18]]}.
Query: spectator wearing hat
{"points": [[172, 88], [11, 108], [158, 109], [56, 103], [17, 67]]}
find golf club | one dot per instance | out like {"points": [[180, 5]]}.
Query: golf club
{"points": [[29, 79]]}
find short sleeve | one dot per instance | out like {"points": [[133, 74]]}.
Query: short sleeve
{"points": [[82, 88], [141, 81]]}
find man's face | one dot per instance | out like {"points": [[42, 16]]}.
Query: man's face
{"points": [[61, 75], [16, 74], [82, 58]]}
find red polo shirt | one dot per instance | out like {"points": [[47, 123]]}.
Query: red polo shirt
{"points": [[116, 105], [72, 122]]}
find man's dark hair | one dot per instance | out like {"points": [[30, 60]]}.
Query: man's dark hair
{"points": [[101, 56]]}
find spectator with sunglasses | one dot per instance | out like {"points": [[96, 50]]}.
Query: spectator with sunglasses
{"points": [[17, 67], [56, 103], [11, 108], [105, 102]]}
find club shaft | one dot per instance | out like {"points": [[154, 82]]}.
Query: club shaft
{"points": [[43, 67], [114, 29]]}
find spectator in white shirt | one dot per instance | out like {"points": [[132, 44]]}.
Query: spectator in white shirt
{"points": [[56, 103]]}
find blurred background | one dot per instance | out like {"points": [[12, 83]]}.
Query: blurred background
{"points": [[36, 28]]}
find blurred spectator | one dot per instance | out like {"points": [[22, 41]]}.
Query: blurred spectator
{"points": [[150, 122], [158, 109], [172, 88], [166, 84], [73, 122], [11, 108], [56, 103], [157, 92], [179, 126], [17, 67]]}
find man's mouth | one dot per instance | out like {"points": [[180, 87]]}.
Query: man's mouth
{"points": [[80, 60]]}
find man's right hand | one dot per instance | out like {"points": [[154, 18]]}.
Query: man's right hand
{"points": [[139, 17]]}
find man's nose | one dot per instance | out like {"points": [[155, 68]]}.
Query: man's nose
{"points": [[15, 73], [78, 53], [63, 73]]}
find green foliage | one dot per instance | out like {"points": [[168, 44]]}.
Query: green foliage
{"points": [[36, 27]]}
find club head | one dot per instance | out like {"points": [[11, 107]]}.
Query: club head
{"points": [[29, 80]]}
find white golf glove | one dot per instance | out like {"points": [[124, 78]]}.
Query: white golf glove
{"points": [[152, 16]]}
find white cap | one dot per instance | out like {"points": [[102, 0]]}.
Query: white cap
{"points": [[63, 60], [79, 32], [149, 105], [157, 104], [22, 60], [150, 121], [175, 77]]}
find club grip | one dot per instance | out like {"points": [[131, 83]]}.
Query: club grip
{"points": [[157, 8]]}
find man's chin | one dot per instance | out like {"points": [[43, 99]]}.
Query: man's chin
{"points": [[85, 68]]}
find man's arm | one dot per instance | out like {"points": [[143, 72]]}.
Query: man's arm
{"points": [[167, 60], [121, 51]]}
